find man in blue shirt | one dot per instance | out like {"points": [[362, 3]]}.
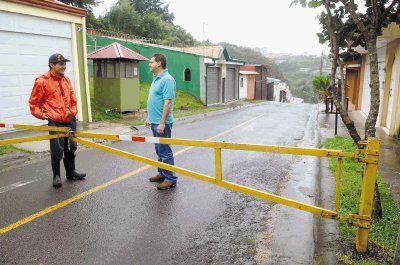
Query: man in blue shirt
{"points": [[160, 104]]}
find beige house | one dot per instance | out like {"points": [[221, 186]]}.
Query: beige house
{"points": [[30, 31], [358, 80]]}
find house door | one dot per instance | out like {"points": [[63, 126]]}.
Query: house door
{"points": [[243, 87], [213, 77], [258, 95], [391, 92], [352, 86]]}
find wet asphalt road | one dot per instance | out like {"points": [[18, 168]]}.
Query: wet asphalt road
{"points": [[131, 222]]}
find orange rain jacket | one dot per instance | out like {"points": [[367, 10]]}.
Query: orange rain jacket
{"points": [[54, 96]]}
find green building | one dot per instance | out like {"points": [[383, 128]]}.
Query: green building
{"points": [[184, 67], [207, 73]]}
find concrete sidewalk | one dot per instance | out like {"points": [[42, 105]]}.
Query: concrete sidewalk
{"points": [[389, 160]]}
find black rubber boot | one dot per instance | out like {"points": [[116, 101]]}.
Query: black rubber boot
{"points": [[55, 165], [69, 164]]}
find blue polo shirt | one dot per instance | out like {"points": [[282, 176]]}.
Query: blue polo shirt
{"points": [[163, 87]]}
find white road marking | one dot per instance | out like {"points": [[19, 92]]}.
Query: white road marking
{"points": [[15, 185]]}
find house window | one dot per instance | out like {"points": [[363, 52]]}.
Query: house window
{"points": [[188, 75], [129, 71], [99, 69], [241, 82], [122, 68], [110, 70]]}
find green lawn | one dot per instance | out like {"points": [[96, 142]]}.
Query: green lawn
{"points": [[383, 235], [185, 105]]}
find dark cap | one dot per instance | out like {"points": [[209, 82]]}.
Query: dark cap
{"points": [[57, 58]]}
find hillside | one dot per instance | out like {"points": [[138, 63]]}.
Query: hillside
{"points": [[299, 70], [252, 56]]}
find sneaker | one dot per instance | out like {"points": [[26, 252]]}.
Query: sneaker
{"points": [[156, 178], [166, 185]]}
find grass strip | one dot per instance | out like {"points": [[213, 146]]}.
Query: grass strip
{"points": [[7, 148], [383, 234]]}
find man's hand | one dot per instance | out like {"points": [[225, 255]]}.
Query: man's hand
{"points": [[160, 128], [146, 123]]}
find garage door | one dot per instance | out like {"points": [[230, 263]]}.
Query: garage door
{"points": [[230, 84], [213, 92], [26, 43]]}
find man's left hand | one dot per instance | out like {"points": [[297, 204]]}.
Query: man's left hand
{"points": [[160, 128]]}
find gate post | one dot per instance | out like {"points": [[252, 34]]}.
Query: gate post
{"points": [[367, 193]]}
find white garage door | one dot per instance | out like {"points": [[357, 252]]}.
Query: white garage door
{"points": [[26, 43]]}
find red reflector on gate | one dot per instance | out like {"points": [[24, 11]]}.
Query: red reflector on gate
{"points": [[138, 139]]}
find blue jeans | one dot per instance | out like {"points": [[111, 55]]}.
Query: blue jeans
{"points": [[164, 152]]}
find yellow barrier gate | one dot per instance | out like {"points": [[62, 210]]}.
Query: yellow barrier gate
{"points": [[369, 156]]}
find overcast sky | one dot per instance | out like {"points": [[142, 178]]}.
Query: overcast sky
{"points": [[270, 24]]}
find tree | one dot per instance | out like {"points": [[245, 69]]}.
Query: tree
{"points": [[124, 18], [152, 26], [87, 4], [148, 19], [96, 23], [157, 7], [379, 14], [178, 37], [368, 27], [320, 84], [337, 32]]}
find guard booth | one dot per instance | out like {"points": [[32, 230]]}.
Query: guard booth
{"points": [[116, 77]]}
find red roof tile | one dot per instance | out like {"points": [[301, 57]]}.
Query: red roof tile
{"points": [[114, 51]]}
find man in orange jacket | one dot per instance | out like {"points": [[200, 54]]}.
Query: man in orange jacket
{"points": [[53, 99]]}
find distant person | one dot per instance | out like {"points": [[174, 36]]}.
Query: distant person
{"points": [[160, 104], [53, 99]]}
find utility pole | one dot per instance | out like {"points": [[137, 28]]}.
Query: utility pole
{"points": [[322, 62], [203, 38]]}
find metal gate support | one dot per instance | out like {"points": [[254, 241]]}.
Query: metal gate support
{"points": [[369, 156], [367, 194]]}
